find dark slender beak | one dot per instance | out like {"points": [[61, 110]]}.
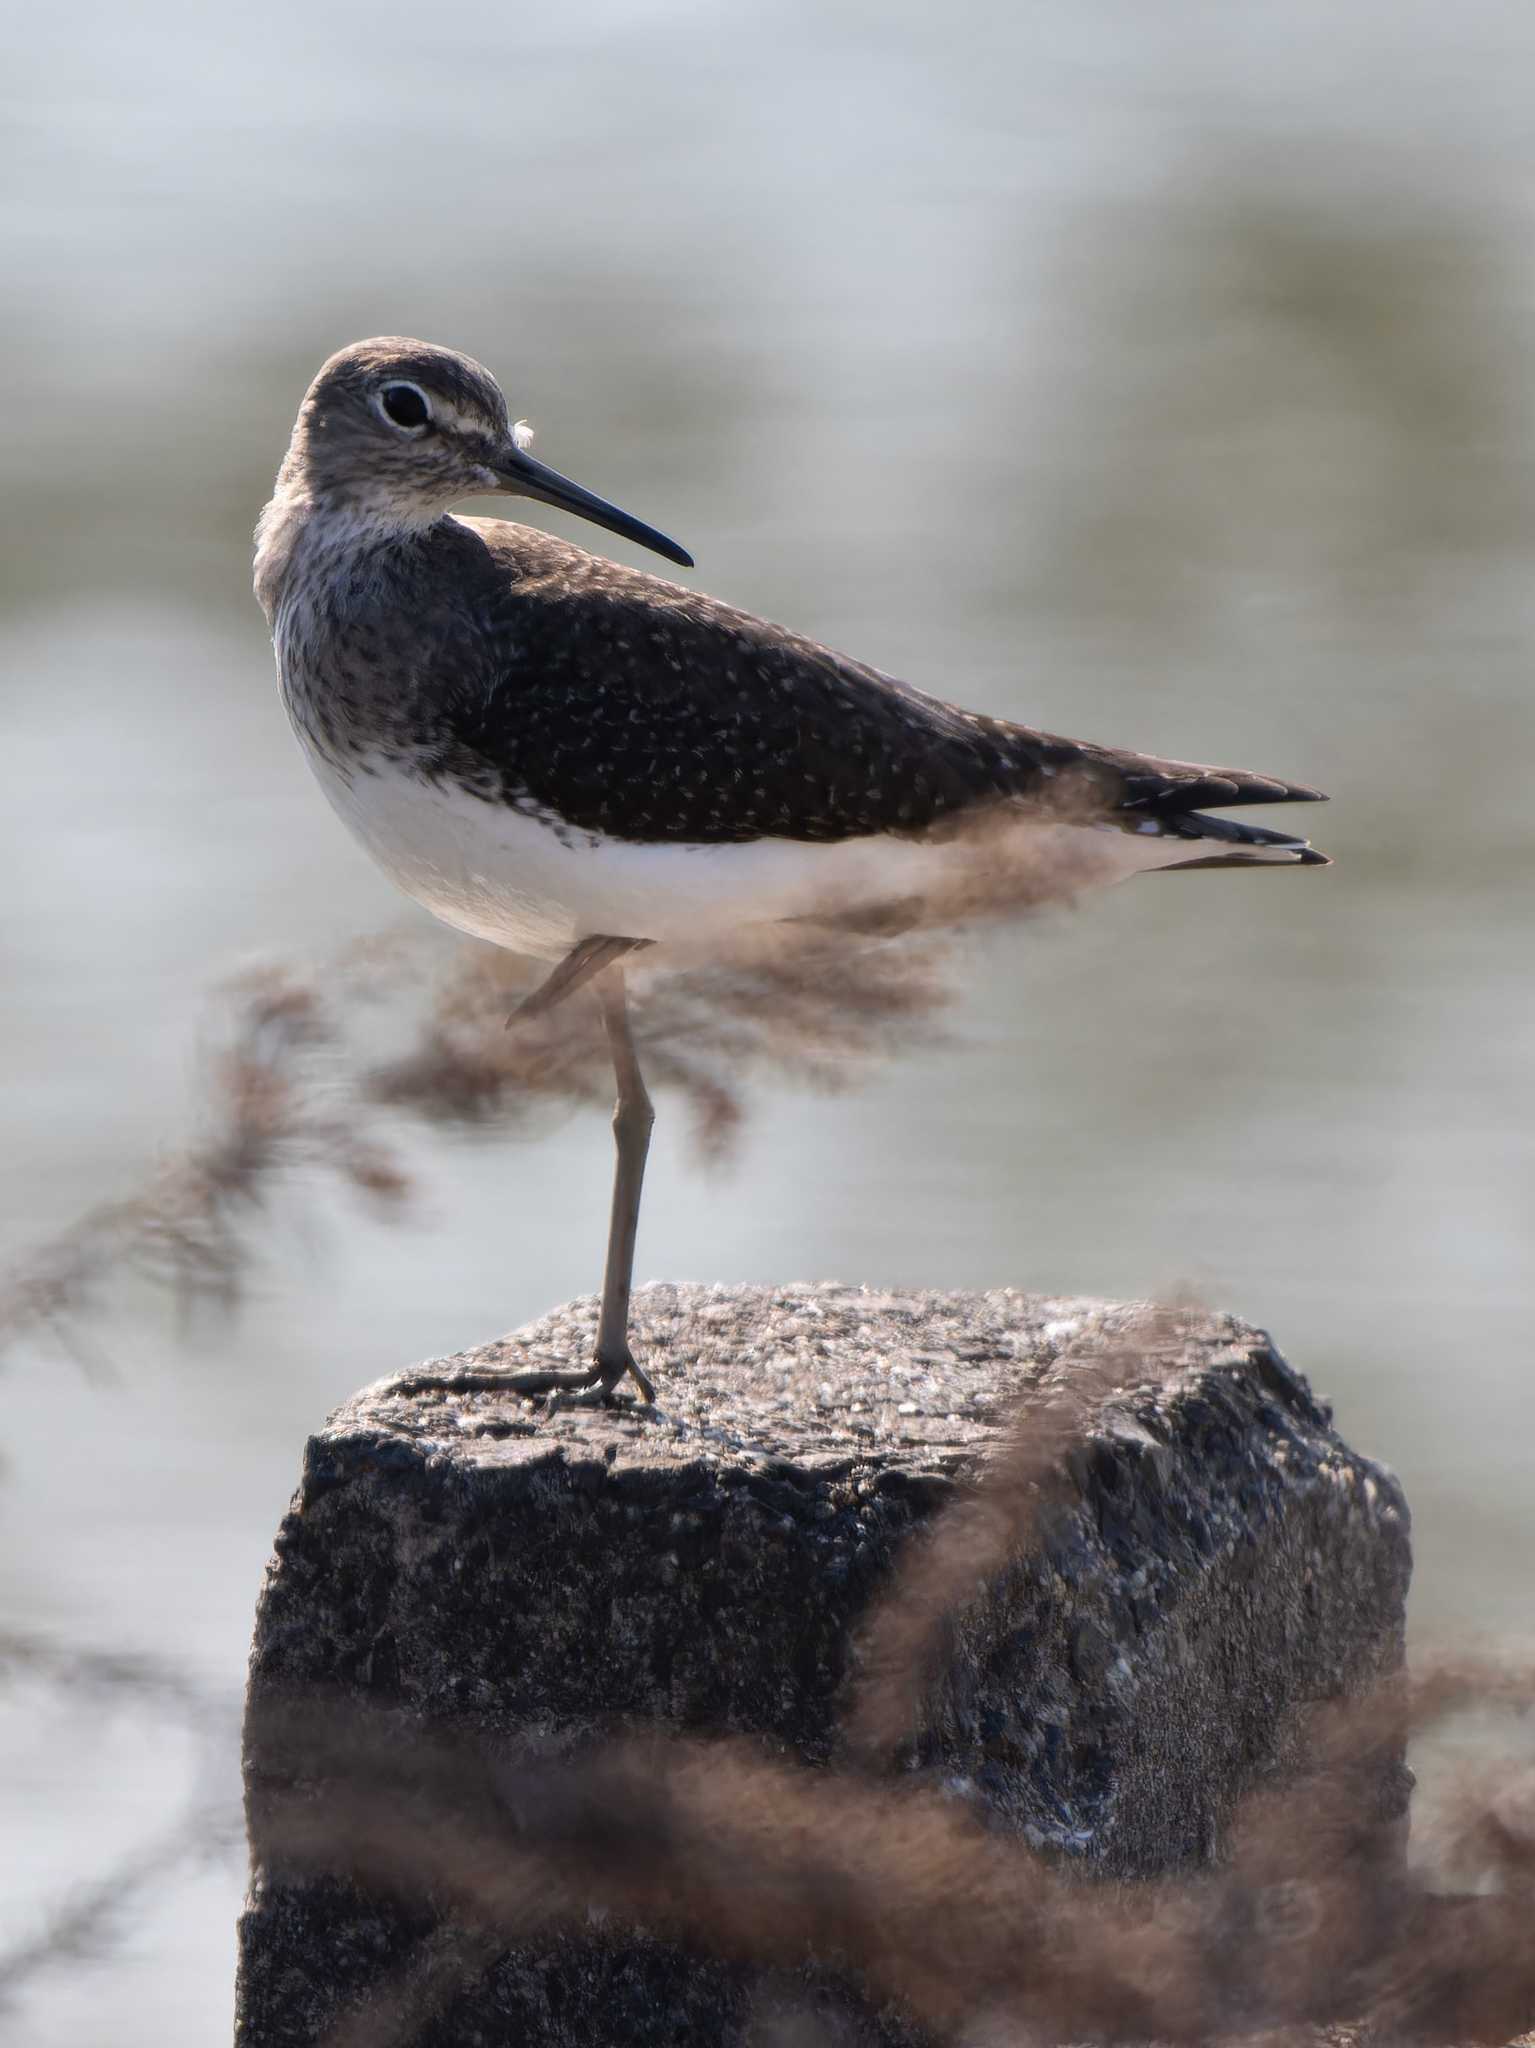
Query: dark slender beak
{"points": [[525, 478]]}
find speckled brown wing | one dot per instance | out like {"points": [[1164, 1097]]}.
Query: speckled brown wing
{"points": [[640, 710]]}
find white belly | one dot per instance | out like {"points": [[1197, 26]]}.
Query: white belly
{"points": [[505, 876]]}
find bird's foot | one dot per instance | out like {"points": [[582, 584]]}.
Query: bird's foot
{"points": [[611, 1375], [595, 1384], [534, 1385], [530, 1384]]}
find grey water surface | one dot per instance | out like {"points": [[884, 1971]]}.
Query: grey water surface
{"points": [[1160, 375]]}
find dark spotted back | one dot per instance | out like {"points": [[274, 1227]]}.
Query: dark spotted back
{"points": [[549, 678]]}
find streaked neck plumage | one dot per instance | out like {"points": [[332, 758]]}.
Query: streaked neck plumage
{"points": [[314, 522]]}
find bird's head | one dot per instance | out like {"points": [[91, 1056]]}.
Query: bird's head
{"points": [[400, 430]]}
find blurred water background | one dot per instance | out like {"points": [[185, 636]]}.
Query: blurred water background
{"points": [[1156, 374]]}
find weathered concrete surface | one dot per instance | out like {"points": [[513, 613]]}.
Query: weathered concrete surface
{"points": [[477, 1563]]}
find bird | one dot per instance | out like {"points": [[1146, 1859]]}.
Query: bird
{"points": [[574, 759]]}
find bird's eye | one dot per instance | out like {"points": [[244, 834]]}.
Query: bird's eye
{"points": [[404, 405]]}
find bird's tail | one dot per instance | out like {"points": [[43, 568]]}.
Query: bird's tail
{"points": [[1190, 839]]}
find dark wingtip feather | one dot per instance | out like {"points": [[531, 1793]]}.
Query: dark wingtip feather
{"points": [[1301, 857], [1163, 787], [1231, 786]]}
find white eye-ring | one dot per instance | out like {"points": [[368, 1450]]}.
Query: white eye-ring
{"points": [[405, 406]]}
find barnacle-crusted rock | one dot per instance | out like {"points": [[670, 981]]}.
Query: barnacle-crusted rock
{"points": [[1216, 1558]]}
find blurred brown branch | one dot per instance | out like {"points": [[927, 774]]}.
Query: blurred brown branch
{"points": [[110, 1675], [991, 1521], [734, 1854], [92, 1915], [267, 1115], [292, 1088]]}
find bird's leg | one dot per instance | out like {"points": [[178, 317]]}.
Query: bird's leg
{"points": [[588, 957], [596, 959], [633, 1116]]}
